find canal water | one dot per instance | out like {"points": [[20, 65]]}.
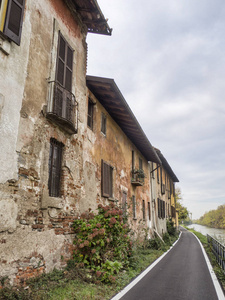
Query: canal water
{"points": [[218, 234]]}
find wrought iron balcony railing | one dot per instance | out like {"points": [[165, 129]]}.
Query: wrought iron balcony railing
{"points": [[62, 107]]}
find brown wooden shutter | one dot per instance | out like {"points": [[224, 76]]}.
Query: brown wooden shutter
{"points": [[110, 181], [143, 209], [69, 68], [64, 64], [134, 206], [14, 20], [105, 179], [61, 60], [159, 207], [149, 211], [140, 164], [124, 204]]}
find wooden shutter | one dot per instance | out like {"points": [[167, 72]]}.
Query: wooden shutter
{"points": [[140, 164], [64, 73], [124, 204], [90, 114], [64, 64], [55, 162], [143, 209], [133, 160], [107, 180], [159, 208], [134, 207], [149, 211], [14, 20], [110, 181], [103, 124]]}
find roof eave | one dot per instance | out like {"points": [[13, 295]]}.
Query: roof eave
{"points": [[133, 130]]}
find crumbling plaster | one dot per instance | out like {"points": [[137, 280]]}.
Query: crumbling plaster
{"points": [[39, 225], [116, 149], [13, 74]]}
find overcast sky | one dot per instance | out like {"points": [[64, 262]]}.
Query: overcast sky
{"points": [[168, 60]]}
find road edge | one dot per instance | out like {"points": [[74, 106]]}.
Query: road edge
{"points": [[145, 272], [215, 281]]}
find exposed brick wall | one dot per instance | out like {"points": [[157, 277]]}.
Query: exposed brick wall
{"points": [[28, 268]]}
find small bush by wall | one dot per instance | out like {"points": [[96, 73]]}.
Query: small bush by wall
{"points": [[102, 243]]}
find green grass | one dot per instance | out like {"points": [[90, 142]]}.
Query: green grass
{"points": [[74, 284]]}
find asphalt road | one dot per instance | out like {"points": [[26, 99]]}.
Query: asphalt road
{"points": [[181, 275]]}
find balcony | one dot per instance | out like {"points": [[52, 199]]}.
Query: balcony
{"points": [[62, 108], [138, 177]]}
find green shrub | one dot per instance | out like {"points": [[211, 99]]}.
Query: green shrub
{"points": [[102, 243], [155, 243], [166, 238], [170, 228]]}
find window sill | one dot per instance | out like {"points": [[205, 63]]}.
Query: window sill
{"points": [[5, 46], [113, 199], [53, 202]]}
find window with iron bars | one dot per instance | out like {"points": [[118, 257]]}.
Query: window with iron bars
{"points": [[55, 168]]}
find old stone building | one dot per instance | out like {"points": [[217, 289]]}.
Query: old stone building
{"points": [[68, 141], [120, 154], [43, 56], [163, 182]]}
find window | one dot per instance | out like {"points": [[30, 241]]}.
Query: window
{"points": [[161, 209], [64, 64], [103, 124], [143, 209], [64, 79], [11, 18], [90, 114], [140, 164], [149, 211], [124, 204], [134, 207], [107, 180], [55, 167], [62, 106], [133, 160]]}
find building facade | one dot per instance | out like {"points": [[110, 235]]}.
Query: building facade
{"points": [[120, 155], [68, 141], [43, 57]]}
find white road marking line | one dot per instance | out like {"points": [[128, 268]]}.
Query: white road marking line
{"points": [[138, 278]]}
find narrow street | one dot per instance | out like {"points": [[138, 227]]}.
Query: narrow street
{"points": [[182, 274]]}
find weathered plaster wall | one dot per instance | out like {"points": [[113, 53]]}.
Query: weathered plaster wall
{"points": [[116, 149], [39, 225], [13, 74]]}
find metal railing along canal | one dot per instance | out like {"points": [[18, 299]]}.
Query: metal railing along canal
{"points": [[218, 250]]}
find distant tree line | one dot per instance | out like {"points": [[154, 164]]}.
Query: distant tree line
{"points": [[214, 218], [183, 214]]}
